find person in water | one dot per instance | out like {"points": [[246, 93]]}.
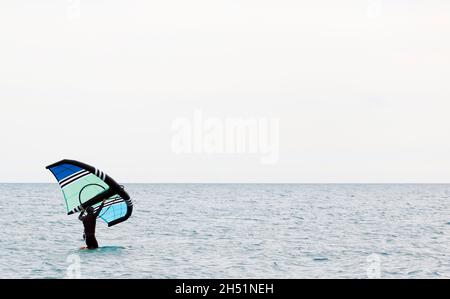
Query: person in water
{"points": [[89, 222]]}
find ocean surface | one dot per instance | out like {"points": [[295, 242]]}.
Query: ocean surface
{"points": [[234, 231]]}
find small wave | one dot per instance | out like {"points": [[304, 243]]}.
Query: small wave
{"points": [[436, 273], [414, 272]]}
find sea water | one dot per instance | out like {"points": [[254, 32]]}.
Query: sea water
{"points": [[234, 231]]}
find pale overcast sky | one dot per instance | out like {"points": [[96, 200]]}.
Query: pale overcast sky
{"points": [[361, 88]]}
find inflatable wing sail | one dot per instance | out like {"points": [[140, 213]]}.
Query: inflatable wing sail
{"points": [[83, 186]]}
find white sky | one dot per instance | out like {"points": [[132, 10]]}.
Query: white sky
{"points": [[361, 88]]}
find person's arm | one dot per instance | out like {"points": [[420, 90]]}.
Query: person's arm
{"points": [[100, 208], [81, 217]]}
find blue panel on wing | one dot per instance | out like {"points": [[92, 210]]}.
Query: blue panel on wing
{"points": [[65, 170], [114, 212]]}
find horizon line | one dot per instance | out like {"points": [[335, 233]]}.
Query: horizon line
{"points": [[249, 183]]}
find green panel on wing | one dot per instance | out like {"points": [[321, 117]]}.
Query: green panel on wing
{"points": [[82, 190]]}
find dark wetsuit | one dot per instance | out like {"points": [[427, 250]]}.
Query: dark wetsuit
{"points": [[89, 222]]}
